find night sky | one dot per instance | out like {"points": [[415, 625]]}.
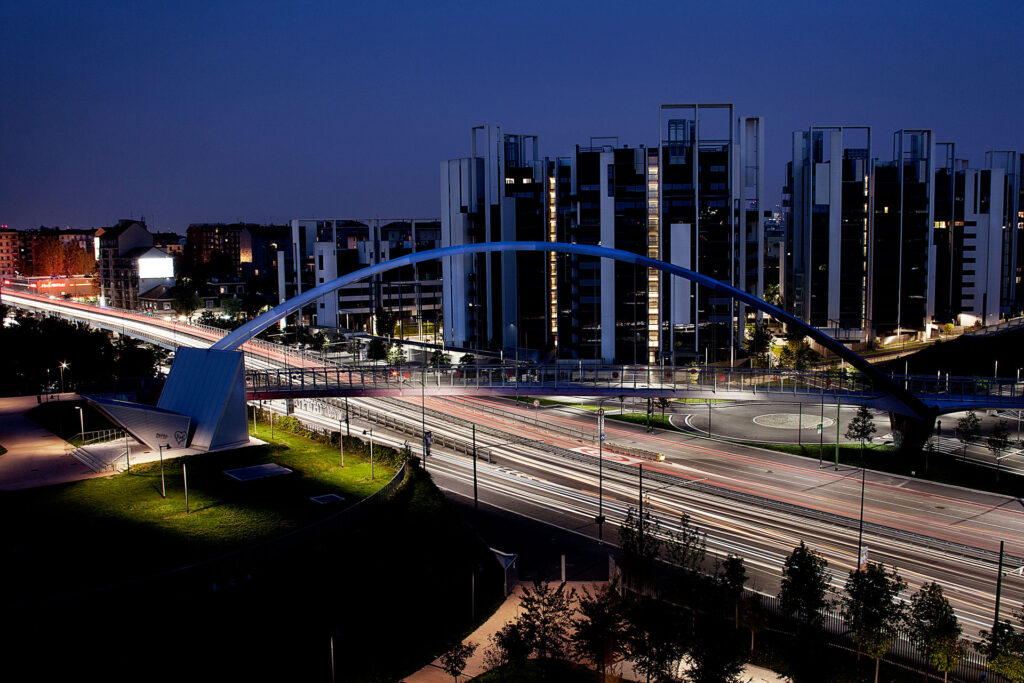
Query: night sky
{"points": [[265, 111]]}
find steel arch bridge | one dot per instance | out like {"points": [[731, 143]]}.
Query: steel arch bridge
{"points": [[899, 399]]}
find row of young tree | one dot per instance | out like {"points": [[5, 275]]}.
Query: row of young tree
{"points": [[873, 610], [671, 608]]}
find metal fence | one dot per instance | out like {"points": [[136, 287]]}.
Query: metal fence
{"points": [[902, 652]]}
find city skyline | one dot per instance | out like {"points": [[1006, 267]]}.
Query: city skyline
{"points": [[216, 118]]}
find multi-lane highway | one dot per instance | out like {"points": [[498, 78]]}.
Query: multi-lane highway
{"points": [[751, 502]]}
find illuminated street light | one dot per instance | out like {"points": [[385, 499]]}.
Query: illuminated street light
{"points": [[81, 422], [63, 366]]}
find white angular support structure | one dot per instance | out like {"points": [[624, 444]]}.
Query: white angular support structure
{"points": [[146, 424], [209, 387]]}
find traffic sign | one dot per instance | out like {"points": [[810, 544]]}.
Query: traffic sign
{"points": [[536, 403]]}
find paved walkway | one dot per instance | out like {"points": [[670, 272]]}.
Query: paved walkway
{"points": [[509, 611], [35, 456]]}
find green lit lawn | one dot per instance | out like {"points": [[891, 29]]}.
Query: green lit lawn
{"points": [[119, 525], [641, 419]]}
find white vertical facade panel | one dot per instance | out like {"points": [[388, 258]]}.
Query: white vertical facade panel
{"points": [[327, 305], [607, 265], [681, 287], [835, 216]]}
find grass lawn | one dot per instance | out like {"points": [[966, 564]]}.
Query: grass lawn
{"points": [[388, 594], [118, 526], [641, 419]]}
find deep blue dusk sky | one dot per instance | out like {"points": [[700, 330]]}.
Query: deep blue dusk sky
{"points": [[264, 111]]}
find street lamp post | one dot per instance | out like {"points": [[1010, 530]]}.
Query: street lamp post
{"points": [[163, 486], [423, 417], [63, 366], [476, 502], [860, 531], [341, 444], [370, 432], [600, 473], [81, 422]]}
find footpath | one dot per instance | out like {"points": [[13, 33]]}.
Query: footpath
{"points": [[509, 611], [35, 457]]}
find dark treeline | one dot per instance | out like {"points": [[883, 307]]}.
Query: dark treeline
{"points": [[34, 348]]}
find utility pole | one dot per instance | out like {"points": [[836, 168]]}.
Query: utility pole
{"points": [[476, 501], [839, 402], [600, 479], [999, 593]]}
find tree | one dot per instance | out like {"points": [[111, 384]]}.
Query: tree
{"points": [[753, 616], [510, 646], [319, 341], [253, 303], [797, 354], [78, 261], [396, 355], [861, 428], [654, 639], [772, 294], [968, 426], [186, 302], [48, 256], [947, 329], [640, 544], [731, 578], [376, 350], [440, 359], [872, 609], [599, 627], [715, 653], [805, 584], [687, 546], [934, 628], [1004, 647], [384, 322], [663, 403], [230, 306], [467, 359], [999, 442], [759, 341], [454, 660], [546, 618]]}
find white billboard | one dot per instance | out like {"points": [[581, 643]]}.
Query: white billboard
{"points": [[156, 267]]}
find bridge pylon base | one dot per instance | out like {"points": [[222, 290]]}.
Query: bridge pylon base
{"points": [[911, 431], [209, 387]]}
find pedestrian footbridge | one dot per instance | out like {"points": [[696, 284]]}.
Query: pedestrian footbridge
{"points": [[941, 394]]}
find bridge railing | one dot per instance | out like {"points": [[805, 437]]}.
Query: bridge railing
{"points": [[678, 380], [558, 378]]}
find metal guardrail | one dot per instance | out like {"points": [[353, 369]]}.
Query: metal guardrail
{"points": [[99, 436]]}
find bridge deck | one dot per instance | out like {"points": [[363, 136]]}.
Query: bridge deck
{"points": [[945, 394]]}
